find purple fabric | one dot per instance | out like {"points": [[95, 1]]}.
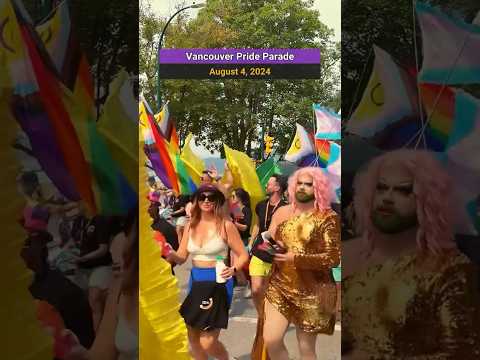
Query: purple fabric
{"points": [[157, 164], [29, 113]]}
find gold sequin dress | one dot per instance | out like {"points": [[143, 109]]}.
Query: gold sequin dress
{"points": [[304, 292], [413, 307]]}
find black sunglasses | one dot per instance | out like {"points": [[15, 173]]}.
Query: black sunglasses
{"points": [[209, 197]]}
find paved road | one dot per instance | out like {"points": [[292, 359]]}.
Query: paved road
{"points": [[239, 336]]}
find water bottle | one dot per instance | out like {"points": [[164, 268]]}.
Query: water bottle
{"points": [[219, 266]]}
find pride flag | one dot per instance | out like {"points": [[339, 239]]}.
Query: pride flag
{"points": [[193, 164], [328, 152], [64, 48], [41, 105], [439, 105], [156, 148], [390, 95], [328, 123], [450, 48], [301, 145]]}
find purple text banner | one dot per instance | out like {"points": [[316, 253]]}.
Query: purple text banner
{"points": [[239, 56]]}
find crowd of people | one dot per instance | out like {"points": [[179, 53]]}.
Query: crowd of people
{"points": [[286, 260], [85, 274]]}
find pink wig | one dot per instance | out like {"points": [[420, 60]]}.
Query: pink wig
{"points": [[321, 187], [432, 189]]}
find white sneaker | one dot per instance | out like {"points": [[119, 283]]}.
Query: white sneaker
{"points": [[247, 293]]}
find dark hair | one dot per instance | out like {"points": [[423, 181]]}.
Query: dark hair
{"points": [[243, 196], [282, 182]]}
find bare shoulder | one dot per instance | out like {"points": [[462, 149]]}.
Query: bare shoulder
{"points": [[283, 213], [229, 226]]}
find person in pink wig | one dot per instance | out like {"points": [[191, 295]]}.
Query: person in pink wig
{"points": [[302, 291], [408, 293]]}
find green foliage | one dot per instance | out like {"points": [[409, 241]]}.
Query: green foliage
{"points": [[237, 112]]}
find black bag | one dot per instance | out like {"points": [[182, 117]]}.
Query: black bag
{"points": [[206, 306], [261, 250]]}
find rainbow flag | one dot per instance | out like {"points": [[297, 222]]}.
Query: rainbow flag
{"points": [[439, 105], [167, 128], [114, 193], [463, 146], [450, 48], [39, 105], [156, 149], [328, 152]]}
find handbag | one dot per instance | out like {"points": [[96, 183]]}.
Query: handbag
{"points": [[263, 249]]}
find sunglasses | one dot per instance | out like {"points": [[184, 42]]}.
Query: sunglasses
{"points": [[209, 197]]}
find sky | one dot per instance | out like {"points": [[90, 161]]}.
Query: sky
{"points": [[330, 15]]}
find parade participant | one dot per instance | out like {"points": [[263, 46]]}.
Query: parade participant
{"points": [[95, 261], [260, 269], [404, 210], [207, 238], [117, 336], [242, 218], [302, 290], [50, 286]]}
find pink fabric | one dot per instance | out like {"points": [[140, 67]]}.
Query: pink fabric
{"points": [[32, 221]]}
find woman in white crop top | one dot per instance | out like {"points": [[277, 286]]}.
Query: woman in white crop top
{"points": [[208, 235]]}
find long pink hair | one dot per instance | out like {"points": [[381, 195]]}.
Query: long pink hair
{"points": [[432, 188], [321, 187]]}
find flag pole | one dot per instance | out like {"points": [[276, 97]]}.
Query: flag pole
{"points": [[420, 107]]}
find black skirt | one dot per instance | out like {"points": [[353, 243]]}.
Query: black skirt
{"points": [[207, 304]]}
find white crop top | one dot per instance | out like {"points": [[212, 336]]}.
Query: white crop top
{"points": [[212, 248]]}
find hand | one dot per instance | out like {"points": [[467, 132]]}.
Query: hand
{"points": [[71, 347], [213, 172], [228, 272], [288, 257], [171, 257]]}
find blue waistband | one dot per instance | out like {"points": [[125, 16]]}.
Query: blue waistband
{"points": [[209, 274]]}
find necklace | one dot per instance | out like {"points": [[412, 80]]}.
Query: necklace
{"points": [[273, 212]]}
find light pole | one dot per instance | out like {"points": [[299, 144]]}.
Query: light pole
{"points": [[194, 6]]}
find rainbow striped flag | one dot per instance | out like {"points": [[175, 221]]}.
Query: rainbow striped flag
{"points": [[328, 152], [439, 105], [41, 106], [156, 148]]}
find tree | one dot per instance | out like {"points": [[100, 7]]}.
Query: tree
{"points": [[237, 112]]}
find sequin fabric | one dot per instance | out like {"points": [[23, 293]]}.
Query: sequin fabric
{"points": [[304, 292], [414, 307]]}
